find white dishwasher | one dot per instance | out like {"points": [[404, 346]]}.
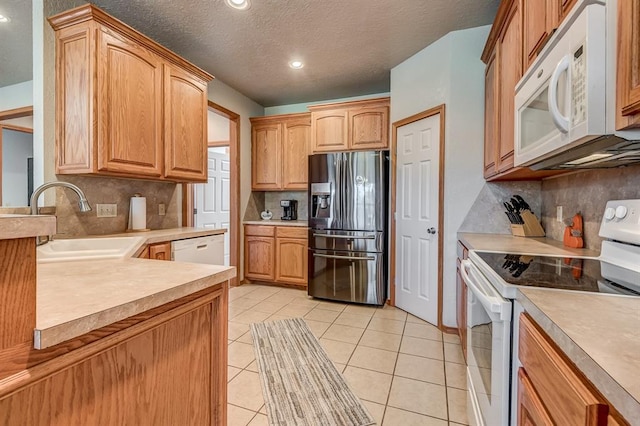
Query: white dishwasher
{"points": [[209, 250]]}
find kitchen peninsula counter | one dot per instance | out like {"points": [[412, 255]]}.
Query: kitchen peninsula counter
{"points": [[521, 245], [74, 298], [600, 334]]}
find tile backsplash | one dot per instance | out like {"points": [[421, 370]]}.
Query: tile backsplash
{"points": [[272, 202], [99, 190], [586, 192], [486, 215]]}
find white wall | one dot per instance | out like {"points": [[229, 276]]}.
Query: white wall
{"points": [[295, 108], [16, 96], [218, 127], [449, 72], [16, 148], [235, 101]]}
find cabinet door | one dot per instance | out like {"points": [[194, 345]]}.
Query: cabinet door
{"points": [[129, 103], [491, 116], [259, 258], [160, 251], [185, 126], [628, 73], [329, 131], [539, 21], [531, 410], [564, 8], [510, 63], [291, 255], [295, 151], [369, 128], [266, 154]]}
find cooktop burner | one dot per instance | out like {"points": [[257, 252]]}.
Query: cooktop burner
{"points": [[546, 271]]}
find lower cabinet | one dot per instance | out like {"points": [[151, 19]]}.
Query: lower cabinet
{"points": [[551, 391], [158, 251], [167, 366], [276, 254]]}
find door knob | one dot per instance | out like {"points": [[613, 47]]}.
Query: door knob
{"points": [[431, 230]]}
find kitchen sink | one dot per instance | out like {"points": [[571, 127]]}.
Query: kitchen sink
{"points": [[88, 249]]}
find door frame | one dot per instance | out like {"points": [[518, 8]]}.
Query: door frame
{"points": [[234, 186], [440, 109]]}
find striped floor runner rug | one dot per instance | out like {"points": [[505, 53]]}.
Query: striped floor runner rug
{"points": [[301, 386]]}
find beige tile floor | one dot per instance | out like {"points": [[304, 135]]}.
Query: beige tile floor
{"points": [[405, 371]]}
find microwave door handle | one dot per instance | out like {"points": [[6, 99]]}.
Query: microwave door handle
{"points": [[492, 303], [561, 122]]}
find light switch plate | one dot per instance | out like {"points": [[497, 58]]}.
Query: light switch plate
{"points": [[107, 210], [559, 216], [162, 209]]}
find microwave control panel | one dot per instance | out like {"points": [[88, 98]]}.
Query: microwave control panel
{"points": [[578, 86]]}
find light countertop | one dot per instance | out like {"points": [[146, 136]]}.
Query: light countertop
{"points": [[600, 334], [522, 245], [273, 222], [26, 226], [74, 298]]}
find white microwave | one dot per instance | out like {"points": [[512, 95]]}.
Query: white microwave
{"points": [[565, 103]]}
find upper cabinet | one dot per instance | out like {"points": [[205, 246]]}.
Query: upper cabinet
{"points": [[521, 29], [279, 149], [628, 66], [125, 106], [358, 125]]}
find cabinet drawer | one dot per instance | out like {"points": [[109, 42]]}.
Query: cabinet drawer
{"points": [[259, 230], [291, 232], [566, 395]]}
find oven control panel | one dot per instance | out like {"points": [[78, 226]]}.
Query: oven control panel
{"points": [[621, 221]]}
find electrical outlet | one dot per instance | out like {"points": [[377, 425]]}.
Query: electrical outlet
{"points": [[559, 216], [107, 210], [162, 209]]}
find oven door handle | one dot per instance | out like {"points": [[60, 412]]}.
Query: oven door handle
{"points": [[489, 298]]}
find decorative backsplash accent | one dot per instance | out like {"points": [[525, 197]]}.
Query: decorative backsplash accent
{"points": [[586, 192], [99, 190]]}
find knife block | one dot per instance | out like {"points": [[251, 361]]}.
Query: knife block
{"points": [[530, 228]]}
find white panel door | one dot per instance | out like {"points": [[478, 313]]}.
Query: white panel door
{"points": [[212, 199], [417, 210]]}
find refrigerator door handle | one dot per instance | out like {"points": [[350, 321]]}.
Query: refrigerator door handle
{"points": [[330, 256], [346, 237]]}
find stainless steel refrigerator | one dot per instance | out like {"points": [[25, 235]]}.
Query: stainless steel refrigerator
{"points": [[348, 222]]}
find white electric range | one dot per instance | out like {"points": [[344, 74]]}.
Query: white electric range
{"points": [[493, 279]]}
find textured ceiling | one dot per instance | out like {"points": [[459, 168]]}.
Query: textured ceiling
{"points": [[15, 42], [348, 46]]}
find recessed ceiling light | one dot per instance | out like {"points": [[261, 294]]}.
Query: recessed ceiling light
{"points": [[296, 65], [4, 19], [239, 4]]}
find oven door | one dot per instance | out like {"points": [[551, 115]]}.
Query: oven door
{"points": [[488, 349]]}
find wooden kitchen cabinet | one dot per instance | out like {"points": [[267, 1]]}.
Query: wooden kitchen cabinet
{"points": [[276, 254], [539, 20], [125, 106], [185, 125], [291, 255], [517, 35], [550, 389], [279, 150], [628, 65], [160, 251], [358, 125]]}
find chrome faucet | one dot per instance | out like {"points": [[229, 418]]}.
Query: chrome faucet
{"points": [[83, 203]]}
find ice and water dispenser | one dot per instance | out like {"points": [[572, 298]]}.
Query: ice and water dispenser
{"points": [[321, 200]]}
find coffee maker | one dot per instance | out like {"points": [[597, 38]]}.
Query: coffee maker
{"points": [[290, 211]]}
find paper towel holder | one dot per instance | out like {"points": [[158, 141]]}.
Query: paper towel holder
{"points": [[131, 214]]}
